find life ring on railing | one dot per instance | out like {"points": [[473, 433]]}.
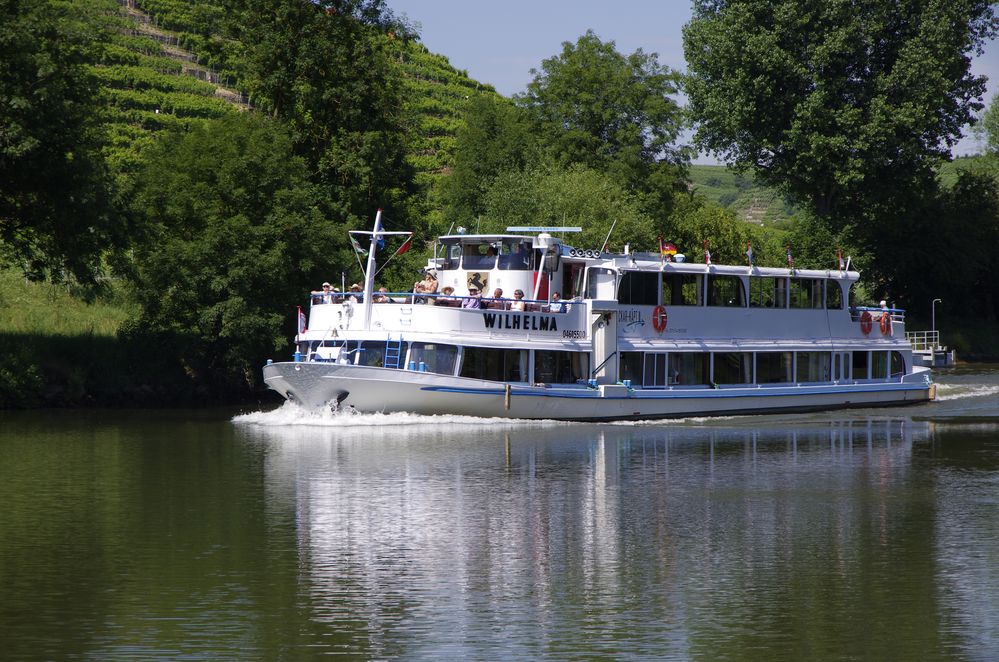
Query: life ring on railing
{"points": [[866, 322], [659, 319], [886, 324]]}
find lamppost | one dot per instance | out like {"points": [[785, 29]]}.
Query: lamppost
{"points": [[933, 322]]}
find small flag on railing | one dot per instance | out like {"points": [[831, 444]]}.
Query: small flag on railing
{"points": [[749, 252], [839, 259], [666, 249], [405, 246], [790, 260], [301, 320], [707, 253], [357, 246]]}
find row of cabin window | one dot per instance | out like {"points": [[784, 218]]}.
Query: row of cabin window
{"points": [[502, 365], [505, 254], [659, 369], [650, 288]]}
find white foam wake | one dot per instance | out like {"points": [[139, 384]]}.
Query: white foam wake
{"points": [[956, 391], [290, 414]]}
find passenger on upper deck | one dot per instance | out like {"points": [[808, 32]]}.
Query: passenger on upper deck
{"points": [[518, 300], [381, 296], [426, 286], [474, 299], [498, 302], [325, 296], [446, 298], [356, 293], [556, 305]]}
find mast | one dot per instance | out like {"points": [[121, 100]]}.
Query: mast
{"points": [[369, 271]]}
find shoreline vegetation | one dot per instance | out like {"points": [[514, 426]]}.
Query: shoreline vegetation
{"points": [[57, 350], [175, 175]]}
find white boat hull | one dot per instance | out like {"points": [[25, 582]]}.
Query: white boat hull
{"points": [[369, 389]]}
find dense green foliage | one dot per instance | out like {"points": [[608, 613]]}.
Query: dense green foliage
{"points": [[233, 224], [614, 113], [990, 126], [846, 106], [56, 213], [202, 161]]}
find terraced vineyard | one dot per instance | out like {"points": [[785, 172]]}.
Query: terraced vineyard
{"points": [[166, 67], [750, 201]]}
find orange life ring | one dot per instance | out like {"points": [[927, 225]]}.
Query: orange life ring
{"points": [[885, 324], [659, 319], [866, 322]]}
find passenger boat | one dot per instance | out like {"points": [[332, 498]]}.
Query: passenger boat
{"points": [[597, 336]]}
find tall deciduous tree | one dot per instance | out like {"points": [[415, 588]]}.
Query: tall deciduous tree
{"points": [[235, 231], [990, 126], [321, 67], [55, 210], [846, 105], [612, 113]]}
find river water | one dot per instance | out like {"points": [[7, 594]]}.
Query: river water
{"points": [[204, 535]]}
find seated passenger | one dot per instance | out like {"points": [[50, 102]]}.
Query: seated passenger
{"points": [[447, 297], [325, 296], [356, 293], [556, 305], [498, 302], [474, 299], [381, 296], [518, 300]]}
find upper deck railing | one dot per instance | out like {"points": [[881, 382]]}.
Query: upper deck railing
{"points": [[447, 301]]}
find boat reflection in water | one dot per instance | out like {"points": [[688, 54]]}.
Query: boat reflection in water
{"points": [[452, 536]]}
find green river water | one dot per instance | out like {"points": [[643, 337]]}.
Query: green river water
{"points": [[218, 535]]}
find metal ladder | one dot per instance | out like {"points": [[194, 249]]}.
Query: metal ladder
{"points": [[393, 352]]}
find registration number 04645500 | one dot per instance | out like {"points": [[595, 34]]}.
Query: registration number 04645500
{"points": [[573, 333]]}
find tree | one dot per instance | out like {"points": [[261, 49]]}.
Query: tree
{"points": [[322, 68], [989, 126], [575, 195], [844, 105], [56, 213], [611, 113], [495, 137], [236, 233]]}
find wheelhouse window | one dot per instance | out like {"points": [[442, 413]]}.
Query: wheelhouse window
{"points": [[767, 292], [434, 356], [600, 283], [515, 255], [480, 256], [689, 368], [682, 289], [733, 368], [806, 293], [726, 291], [813, 366], [452, 254], [834, 295], [553, 367], [500, 365], [773, 367], [639, 288]]}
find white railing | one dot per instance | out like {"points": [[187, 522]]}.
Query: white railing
{"points": [[923, 341]]}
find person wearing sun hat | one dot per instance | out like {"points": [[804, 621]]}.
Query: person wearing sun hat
{"points": [[474, 299]]}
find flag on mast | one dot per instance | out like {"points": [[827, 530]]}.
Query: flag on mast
{"points": [[839, 258], [301, 320], [749, 252], [357, 246], [707, 253], [790, 260], [667, 250], [405, 246]]}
